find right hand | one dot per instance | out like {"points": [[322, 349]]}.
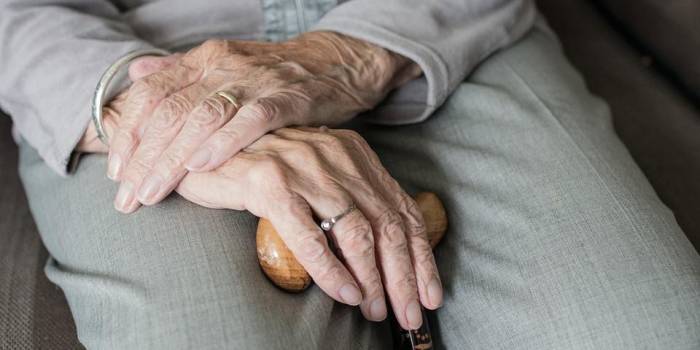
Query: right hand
{"points": [[112, 111], [174, 121], [292, 175]]}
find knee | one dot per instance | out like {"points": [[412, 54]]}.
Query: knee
{"points": [[639, 318], [189, 282]]}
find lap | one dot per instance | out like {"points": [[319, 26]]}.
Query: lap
{"points": [[556, 239], [175, 276]]}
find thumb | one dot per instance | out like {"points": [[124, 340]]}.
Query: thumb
{"points": [[147, 65]]}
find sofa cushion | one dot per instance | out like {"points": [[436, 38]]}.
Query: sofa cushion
{"points": [[669, 30], [33, 311]]}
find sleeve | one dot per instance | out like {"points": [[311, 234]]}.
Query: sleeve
{"points": [[446, 38], [53, 53]]}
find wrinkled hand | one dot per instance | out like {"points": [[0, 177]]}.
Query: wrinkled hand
{"points": [[172, 120], [111, 113], [292, 175]]}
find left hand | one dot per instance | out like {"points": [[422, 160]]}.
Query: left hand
{"points": [[287, 175], [292, 175], [173, 121]]}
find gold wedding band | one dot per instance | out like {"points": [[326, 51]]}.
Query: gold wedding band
{"points": [[230, 98]]}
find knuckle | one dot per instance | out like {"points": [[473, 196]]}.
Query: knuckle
{"points": [[415, 220], [285, 201], [213, 45], [136, 169], [208, 113], [406, 203], [272, 168], [373, 283], [145, 91], [294, 68], [301, 149], [140, 88], [275, 78], [296, 102], [331, 140], [269, 173], [144, 64], [125, 138], [171, 161], [405, 284], [330, 144], [418, 226], [170, 111], [358, 242], [391, 234], [226, 136], [312, 248], [164, 120], [424, 258], [330, 272], [263, 111], [130, 117]]}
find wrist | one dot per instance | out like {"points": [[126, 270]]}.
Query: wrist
{"points": [[90, 143], [369, 70]]}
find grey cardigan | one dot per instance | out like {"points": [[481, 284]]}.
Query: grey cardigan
{"points": [[52, 52]]}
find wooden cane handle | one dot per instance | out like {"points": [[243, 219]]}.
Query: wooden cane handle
{"points": [[283, 269]]}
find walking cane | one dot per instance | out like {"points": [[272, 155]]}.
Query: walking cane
{"points": [[280, 266]]}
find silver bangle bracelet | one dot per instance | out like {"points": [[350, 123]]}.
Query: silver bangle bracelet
{"points": [[98, 99]]}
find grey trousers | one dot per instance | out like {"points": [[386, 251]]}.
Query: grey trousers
{"points": [[556, 240]]}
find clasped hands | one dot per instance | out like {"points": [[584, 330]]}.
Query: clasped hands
{"points": [[172, 132]]}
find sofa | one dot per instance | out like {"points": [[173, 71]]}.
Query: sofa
{"points": [[639, 55]]}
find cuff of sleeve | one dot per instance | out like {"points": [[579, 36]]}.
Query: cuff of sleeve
{"points": [[424, 94], [64, 159]]}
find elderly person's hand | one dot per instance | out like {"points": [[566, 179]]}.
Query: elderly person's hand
{"points": [[292, 175], [174, 121]]}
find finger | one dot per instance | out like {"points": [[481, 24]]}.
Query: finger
{"points": [[391, 245], [250, 123], [144, 95], [305, 239], [213, 112], [147, 65], [354, 239], [395, 262], [167, 121], [398, 236], [427, 275], [355, 245]]}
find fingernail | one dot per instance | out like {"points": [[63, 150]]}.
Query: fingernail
{"points": [[149, 188], [125, 197], [413, 315], [114, 166], [377, 310], [198, 159], [435, 292], [350, 294]]}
